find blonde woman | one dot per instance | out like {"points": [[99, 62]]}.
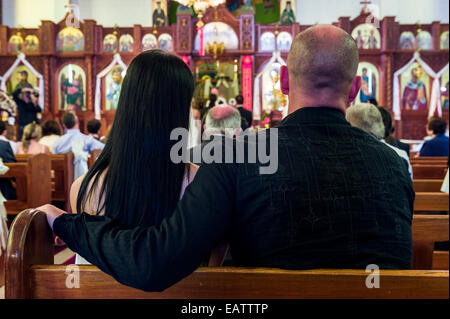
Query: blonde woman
{"points": [[30, 145]]}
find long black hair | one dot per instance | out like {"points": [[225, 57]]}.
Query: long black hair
{"points": [[142, 185]]}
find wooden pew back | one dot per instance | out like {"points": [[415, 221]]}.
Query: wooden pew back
{"points": [[427, 185], [33, 183], [429, 171], [30, 274], [62, 166], [431, 202]]}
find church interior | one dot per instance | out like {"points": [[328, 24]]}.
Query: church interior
{"points": [[74, 57]]}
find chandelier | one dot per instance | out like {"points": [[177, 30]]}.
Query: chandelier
{"points": [[200, 7]]}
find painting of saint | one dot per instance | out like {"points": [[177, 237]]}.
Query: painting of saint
{"points": [[288, 13], [415, 83], [424, 40], [284, 41], [72, 88], [126, 43], [165, 42], [110, 43], [149, 42], [267, 42], [159, 13], [70, 39], [444, 91], [369, 80], [407, 41], [113, 86], [366, 36], [31, 43], [15, 44], [444, 40], [21, 77]]}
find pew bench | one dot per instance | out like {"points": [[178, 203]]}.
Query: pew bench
{"points": [[62, 177], [32, 181], [427, 185], [431, 202], [30, 273], [429, 171]]}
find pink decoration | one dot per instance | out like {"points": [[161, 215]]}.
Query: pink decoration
{"points": [[201, 49], [247, 82]]}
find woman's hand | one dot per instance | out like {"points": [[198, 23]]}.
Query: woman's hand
{"points": [[52, 213]]}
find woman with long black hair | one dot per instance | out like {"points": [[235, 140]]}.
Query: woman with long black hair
{"points": [[134, 180]]}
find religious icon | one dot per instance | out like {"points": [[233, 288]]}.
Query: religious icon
{"points": [[415, 83], [72, 88], [218, 32], [21, 77], [110, 43], [444, 91], [165, 42], [272, 97], [267, 42], [113, 86], [424, 40], [369, 80], [126, 43], [288, 13], [31, 43], [407, 41], [444, 40], [149, 42], [366, 36], [160, 13], [284, 41], [15, 43], [70, 39]]}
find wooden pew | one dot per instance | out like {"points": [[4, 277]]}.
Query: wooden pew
{"points": [[426, 231], [431, 158], [429, 171], [33, 183], [62, 177], [30, 274], [431, 202], [93, 157], [427, 185]]}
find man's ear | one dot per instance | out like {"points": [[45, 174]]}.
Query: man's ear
{"points": [[284, 79], [356, 86]]}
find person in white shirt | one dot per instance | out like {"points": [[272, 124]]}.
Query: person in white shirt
{"points": [[51, 132], [3, 133], [367, 117]]}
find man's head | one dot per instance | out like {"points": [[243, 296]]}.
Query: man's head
{"points": [[322, 65], [438, 125], [223, 119], [366, 117], [2, 128], [239, 99], [93, 126], [70, 120]]}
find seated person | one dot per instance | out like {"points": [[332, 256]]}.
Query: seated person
{"points": [[3, 136], [328, 196], [221, 120], [51, 131], [32, 133], [7, 156], [135, 171], [93, 127], [389, 131], [439, 144], [368, 118]]}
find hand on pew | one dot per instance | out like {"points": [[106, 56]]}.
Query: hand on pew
{"points": [[52, 213]]}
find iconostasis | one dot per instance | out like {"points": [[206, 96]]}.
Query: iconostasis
{"points": [[81, 68]]}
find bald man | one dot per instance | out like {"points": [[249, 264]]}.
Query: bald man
{"points": [[338, 199]]}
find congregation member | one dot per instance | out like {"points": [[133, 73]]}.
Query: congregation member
{"points": [[389, 131], [51, 131], [369, 118], [246, 115], [3, 133], [337, 197], [76, 142], [32, 133], [133, 180], [7, 156], [93, 128], [221, 120], [438, 144]]}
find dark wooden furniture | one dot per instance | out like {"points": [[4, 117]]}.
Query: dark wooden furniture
{"points": [[30, 273], [427, 185], [62, 176], [33, 183], [433, 171], [431, 202]]}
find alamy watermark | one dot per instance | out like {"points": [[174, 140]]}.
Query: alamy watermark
{"points": [[73, 18], [73, 276], [373, 279]]}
